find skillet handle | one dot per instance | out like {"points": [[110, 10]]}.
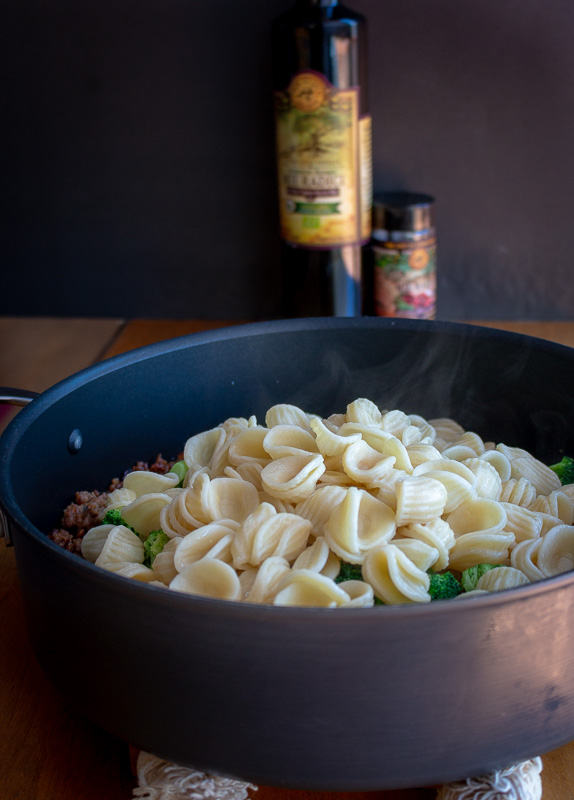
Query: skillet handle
{"points": [[16, 397]]}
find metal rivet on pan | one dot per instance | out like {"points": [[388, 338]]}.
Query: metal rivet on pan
{"points": [[75, 441]]}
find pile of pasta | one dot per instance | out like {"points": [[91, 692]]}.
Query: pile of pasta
{"points": [[267, 513]]}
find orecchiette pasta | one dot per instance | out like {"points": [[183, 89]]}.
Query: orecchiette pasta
{"points": [[362, 507]]}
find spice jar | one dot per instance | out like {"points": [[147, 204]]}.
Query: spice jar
{"points": [[403, 255]]}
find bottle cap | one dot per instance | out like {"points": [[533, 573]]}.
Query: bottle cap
{"points": [[402, 211]]}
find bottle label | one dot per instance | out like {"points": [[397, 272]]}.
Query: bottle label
{"points": [[322, 183], [405, 279]]}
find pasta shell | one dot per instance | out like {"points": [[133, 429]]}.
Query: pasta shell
{"points": [[121, 545], [542, 477], [364, 464], [292, 478], [522, 522], [267, 580], [94, 540], [284, 535], [488, 483], [427, 431], [267, 533], [486, 516], [208, 577], [525, 558], [313, 557], [387, 487], [499, 461], [163, 564], [357, 524], [420, 453], [422, 555], [248, 471], [128, 569], [247, 447], [221, 498], [199, 449], [304, 587], [512, 452], [556, 504], [458, 489], [472, 440], [143, 514], [332, 566], [120, 498], [438, 534], [288, 440], [143, 482], [519, 491], [495, 580], [443, 464], [480, 548], [365, 412], [394, 577], [175, 520], [201, 542], [285, 414], [361, 594], [446, 428], [329, 442], [568, 490], [419, 499], [232, 428], [382, 441], [394, 422], [319, 506], [410, 435], [458, 452], [556, 552]]}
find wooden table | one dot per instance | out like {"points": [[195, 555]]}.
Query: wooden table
{"points": [[47, 751]]}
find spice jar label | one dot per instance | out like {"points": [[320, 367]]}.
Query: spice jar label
{"points": [[405, 279], [320, 177]]}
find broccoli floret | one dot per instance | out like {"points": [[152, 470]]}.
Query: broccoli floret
{"points": [[114, 517], [565, 470], [470, 576], [153, 545], [180, 469], [443, 585], [349, 572]]}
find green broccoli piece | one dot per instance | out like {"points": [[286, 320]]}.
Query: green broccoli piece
{"points": [[565, 470], [349, 572], [153, 545], [180, 469], [114, 517], [443, 585], [470, 576]]}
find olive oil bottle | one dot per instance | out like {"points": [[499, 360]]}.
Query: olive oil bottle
{"points": [[324, 161]]}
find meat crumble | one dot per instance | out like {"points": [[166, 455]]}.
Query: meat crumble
{"points": [[87, 508]]}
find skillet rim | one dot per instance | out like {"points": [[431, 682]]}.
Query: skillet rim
{"points": [[10, 437]]}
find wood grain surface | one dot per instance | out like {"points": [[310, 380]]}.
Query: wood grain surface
{"points": [[47, 750]]}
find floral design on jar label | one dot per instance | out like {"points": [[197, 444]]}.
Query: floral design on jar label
{"points": [[405, 279]]}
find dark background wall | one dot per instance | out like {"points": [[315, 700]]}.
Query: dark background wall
{"points": [[139, 162]]}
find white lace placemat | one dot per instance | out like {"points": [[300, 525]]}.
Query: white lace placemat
{"points": [[161, 780]]}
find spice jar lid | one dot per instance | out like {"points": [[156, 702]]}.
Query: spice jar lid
{"points": [[402, 211]]}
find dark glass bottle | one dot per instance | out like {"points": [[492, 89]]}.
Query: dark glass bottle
{"points": [[323, 155]]}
